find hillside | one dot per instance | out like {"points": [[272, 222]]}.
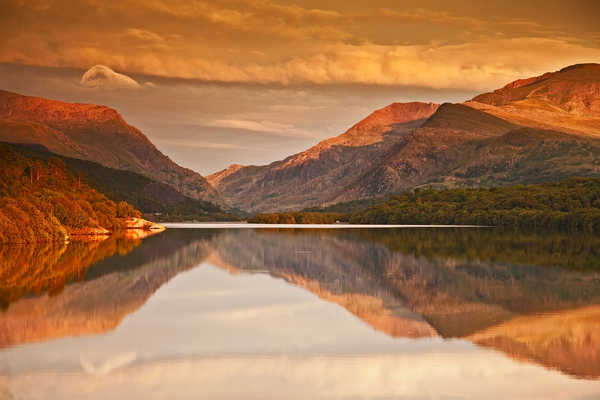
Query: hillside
{"points": [[321, 174], [41, 201], [159, 200], [571, 205], [95, 133], [567, 100], [541, 129]]}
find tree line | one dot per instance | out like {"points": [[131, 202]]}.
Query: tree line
{"points": [[42, 201], [569, 205]]}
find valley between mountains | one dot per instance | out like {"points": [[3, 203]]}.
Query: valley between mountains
{"points": [[534, 130]]}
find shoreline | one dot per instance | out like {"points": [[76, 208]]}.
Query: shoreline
{"points": [[138, 228], [246, 225]]}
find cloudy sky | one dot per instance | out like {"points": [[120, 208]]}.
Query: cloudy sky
{"points": [[251, 81]]}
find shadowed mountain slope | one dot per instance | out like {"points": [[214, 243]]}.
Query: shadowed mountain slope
{"points": [[94, 133], [147, 195]]}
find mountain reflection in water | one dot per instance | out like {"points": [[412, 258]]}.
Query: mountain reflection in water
{"points": [[108, 280], [532, 297]]}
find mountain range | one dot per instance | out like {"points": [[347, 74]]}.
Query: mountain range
{"points": [[539, 129], [534, 130]]}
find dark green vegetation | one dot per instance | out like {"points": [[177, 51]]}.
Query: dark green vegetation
{"points": [[544, 249], [570, 205], [42, 201], [157, 201]]}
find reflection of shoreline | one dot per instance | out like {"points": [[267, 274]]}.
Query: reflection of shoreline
{"points": [[405, 284], [456, 298], [99, 305], [36, 269], [27, 269]]}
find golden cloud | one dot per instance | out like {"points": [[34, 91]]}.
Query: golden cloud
{"points": [[259, 41]]}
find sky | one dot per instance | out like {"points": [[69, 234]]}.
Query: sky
{"points": [[251, 81]]}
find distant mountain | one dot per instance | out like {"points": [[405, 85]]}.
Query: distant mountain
{"points": [[540, 129], [324, 172], [95, 133]]}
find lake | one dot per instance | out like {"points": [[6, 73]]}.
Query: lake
{"points": [[286, 313]]}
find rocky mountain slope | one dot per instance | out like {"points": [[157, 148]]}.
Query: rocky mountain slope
{"points": [[534, 130], [322, 173], [567, 100], [95, 133]]}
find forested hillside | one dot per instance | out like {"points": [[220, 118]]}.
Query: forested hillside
{"points": [[156, 200], [41, 201], [570, 205]]}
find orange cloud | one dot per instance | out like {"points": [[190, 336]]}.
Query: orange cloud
{"points": [[260, 41]]}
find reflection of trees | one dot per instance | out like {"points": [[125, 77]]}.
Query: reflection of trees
{"points": [[463, 283], [554, 249], [117, 277], [34, 269]]}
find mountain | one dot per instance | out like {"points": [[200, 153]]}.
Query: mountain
{"points": [[540, 129], [566, 100], [322, 173], [145, 194], [95, 133]]}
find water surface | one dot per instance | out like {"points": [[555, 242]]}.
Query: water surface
{"points": [[276, 313]]}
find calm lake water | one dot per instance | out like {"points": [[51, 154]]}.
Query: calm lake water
{"points": [[408, 313]]}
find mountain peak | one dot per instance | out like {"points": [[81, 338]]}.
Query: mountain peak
{"points": [[567, 100], [59, 115], [372, 128], [586, 66], [218, 176], [574, 89]]}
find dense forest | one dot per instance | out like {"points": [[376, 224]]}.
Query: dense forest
{"points": [[157, 201], [570, 205], [42, 201]]}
